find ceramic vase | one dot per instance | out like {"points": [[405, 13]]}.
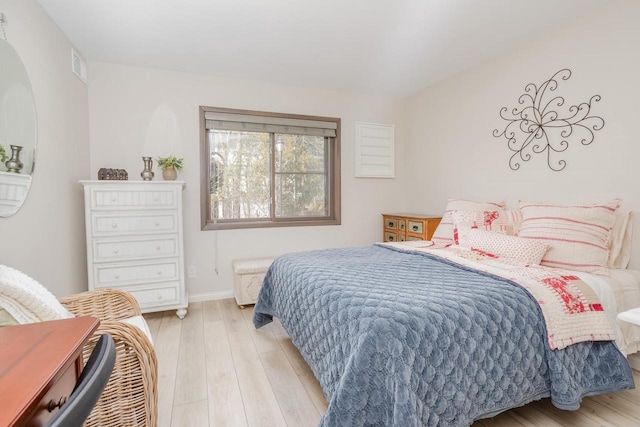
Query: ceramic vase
{"points": [[169, 173], [14, 164]]}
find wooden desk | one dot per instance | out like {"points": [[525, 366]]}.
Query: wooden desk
{"points": [[39, 363]]}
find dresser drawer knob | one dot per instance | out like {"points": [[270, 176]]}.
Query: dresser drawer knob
{"points": [[115, 251], [158, 247], [414, 228], [157, 223], [159, 296], [52, 405], [114, 198], [117, 276], [159, 272], [114, 225]]}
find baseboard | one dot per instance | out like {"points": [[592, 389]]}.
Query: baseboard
{"points": [[210, 296]]}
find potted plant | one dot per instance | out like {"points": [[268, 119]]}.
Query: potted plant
{"points": [[3, 154], [170, 167]]}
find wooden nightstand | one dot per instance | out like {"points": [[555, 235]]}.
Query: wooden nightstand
{"points": [[401, 227]]}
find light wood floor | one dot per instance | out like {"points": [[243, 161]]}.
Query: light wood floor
{"points": [[215, 369]]}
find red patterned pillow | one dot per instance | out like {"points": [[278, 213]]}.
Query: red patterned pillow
{"points": [[579, 235], [499, 221], [528, 251], [444, 232]]}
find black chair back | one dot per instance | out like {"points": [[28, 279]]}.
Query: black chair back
{"points": [[89, 387]]}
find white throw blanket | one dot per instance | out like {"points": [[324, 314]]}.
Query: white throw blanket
{"points": [[26, 300], [571, 309]]}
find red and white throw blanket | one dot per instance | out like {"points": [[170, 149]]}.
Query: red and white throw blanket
{"points": [[571, 309]]}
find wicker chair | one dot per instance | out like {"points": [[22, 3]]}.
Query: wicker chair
{"points": [[131, 395]]}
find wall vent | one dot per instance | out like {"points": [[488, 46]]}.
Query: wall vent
{"points": [[78, 65]]}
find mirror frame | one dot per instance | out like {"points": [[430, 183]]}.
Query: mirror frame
{"points": [[16, 96]]}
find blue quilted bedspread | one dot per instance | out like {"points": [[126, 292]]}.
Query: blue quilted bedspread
{"points": [[405, 339]]}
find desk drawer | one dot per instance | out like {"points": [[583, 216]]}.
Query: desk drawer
{"points": [[118, 275], [60, 390], [108, 250], [116, 225]]}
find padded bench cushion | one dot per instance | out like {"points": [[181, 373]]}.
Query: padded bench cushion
{"points": [[249, 266]]}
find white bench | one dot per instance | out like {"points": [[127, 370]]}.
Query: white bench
{"points": [[247, 279]]}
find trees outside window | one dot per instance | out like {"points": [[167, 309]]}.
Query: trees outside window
{"points": [[268, 169]]}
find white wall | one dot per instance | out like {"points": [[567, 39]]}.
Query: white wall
{"points": [[45, 238], [139, 111], [450, 149]]}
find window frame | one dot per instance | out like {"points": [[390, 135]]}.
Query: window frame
{"points": [[333, 165]]}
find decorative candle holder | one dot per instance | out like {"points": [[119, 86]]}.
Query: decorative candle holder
{"points": [[14, 164], [147, 174]]}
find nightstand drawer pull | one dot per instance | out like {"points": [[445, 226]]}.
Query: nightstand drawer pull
{"points": [[391, 223], [389, 237]]}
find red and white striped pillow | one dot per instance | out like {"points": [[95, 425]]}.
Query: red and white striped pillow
{"points": [[444, 232], [578, 235]]}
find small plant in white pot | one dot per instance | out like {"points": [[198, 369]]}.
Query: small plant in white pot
{"points": [[170, 167]]}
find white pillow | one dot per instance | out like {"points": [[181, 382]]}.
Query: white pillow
{"points": [[444, 232], [578, 235], [528, 251], [26, 300]]}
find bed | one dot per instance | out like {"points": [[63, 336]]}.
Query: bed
{"points": [[409, 335]]}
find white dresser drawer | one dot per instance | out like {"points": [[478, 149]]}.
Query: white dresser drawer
{"points": [[108, 250], [133, 198], [156, 296], [116, 225], [116, 275]]}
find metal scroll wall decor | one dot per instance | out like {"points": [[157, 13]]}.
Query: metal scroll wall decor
{"points": [[540, 124]]}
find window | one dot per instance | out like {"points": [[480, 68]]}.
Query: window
{"points": [[268, 169]]}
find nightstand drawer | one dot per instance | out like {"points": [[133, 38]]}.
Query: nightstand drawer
{"points": [[415, 227], [408, 227], [109, 250], [117, 275], [390, 237], [393, 237], [114, 225]]}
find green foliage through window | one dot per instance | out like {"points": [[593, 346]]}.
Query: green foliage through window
{"points": [[266, 170]]}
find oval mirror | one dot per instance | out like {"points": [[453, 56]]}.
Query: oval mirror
{"points": [[18, 129]]}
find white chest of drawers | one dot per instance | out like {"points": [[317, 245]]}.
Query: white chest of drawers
{"points": [[134, 241]]}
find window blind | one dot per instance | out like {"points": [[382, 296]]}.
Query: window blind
{"points": [[251, 123]]}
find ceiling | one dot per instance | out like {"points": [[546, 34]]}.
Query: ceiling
{"points": [[379, 47]]}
